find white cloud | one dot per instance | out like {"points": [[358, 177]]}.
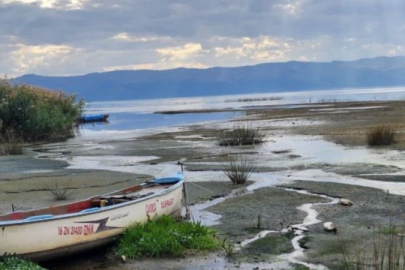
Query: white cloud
{"points": [[65, 37], [26, 58], [385, 49], [70, 4], [170, 57], [41, 3], [262, 48], [184, 52], [122, 36], [292, 8], [76, 4], [125, 37], [130, 67]]}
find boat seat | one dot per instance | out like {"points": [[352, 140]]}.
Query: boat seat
{"points": [[90, 210], [39, 217], [146, 195]]}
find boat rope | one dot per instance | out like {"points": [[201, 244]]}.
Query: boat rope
{"points": [[201, 187]]}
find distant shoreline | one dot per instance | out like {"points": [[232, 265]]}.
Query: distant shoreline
{"points": [[265, 78]]}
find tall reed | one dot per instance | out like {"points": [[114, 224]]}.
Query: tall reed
{"points": [[37, 114], [386, 252]]}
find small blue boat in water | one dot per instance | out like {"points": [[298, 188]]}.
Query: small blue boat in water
{"points": [[91, 118]]}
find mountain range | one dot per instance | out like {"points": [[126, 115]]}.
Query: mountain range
{"points": [[261, 78]]}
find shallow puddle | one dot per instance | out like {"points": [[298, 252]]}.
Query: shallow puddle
{"points": [[314, 149]]}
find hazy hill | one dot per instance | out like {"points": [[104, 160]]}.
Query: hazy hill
{"points": [[262, 78]]}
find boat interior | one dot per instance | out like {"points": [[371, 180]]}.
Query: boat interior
{"points": [[92, 204]]}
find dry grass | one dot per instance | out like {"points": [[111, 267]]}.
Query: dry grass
{"points": [[10, 143], [239, 169], [381, 135], [386, 252]]}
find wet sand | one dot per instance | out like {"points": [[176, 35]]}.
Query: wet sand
{"points": [[277, 209], [318, 144]]}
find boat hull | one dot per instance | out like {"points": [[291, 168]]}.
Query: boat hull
{"points": [[94, 118], [48, 239]]}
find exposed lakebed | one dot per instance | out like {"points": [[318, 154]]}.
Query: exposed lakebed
{"points": [[287, 163]]}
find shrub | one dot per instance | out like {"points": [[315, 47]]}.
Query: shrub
{"points": [[241, 135], [15, 263], [165, 237], [239, 169], [37, 114], [382, 135], [60, 194]]}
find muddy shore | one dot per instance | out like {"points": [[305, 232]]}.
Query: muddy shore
{"points": [[312, 143], [372, 211]]}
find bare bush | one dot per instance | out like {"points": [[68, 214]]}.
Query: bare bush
{"points": [[60, 193], [239, 169]]}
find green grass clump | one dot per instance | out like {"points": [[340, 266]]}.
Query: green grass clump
{"points": [[382, 135], [15, 263], [36, 114], [241, 135], [165, 237], [392, 230]]}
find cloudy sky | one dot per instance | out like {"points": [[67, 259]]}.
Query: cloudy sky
{"points": [[69, 37]]}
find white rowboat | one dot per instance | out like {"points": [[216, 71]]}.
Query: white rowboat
{"points": [[65, 229]]}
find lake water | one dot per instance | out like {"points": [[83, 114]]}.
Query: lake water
{"points": [[139, 114], [123, 121]]}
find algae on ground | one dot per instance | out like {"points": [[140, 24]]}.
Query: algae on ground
{"points": [[277, 208], [272, 244]]}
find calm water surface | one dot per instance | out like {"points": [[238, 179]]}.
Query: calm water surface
{"points": [[139, 114]]}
